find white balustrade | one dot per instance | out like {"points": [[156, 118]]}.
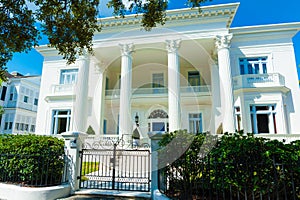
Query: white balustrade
{"points": [[161, 90], [258, 80]]}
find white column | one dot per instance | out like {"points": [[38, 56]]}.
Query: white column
{"points": [[226, 88], [80, 106], [216, 117], [174, 85], [99, 98], [125, 121]]}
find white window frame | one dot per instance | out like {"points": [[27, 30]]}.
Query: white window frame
{"points": [[195, 120], [271, 112], [68, 76], [151, 121], [257, 67], [238, 118], [55, 118]]}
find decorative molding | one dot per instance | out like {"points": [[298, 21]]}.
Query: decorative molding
{"points": [[126, 49], [173, 45], [223, 41], [213, 11]]}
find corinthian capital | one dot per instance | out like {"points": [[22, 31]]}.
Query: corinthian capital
{"points": [[223, 41], [126, 49], [173, 45]]}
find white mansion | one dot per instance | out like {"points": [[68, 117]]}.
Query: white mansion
{"points": [[195, 73]]}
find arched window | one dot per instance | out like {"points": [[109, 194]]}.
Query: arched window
{"points": [[158, 114], [158, 121]]}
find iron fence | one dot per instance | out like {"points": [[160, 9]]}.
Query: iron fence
{"points": [[34, 170], [115, 169], [232, 181]]}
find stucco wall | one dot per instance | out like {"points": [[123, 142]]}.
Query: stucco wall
{"points": [[13, 192]]}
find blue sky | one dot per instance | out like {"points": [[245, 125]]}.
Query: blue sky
{"points": [[250, 12]]}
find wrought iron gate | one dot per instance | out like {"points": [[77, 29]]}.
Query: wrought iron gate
{"points": [[115, 168]]}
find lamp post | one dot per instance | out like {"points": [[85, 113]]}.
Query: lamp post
{"points": [[136, 134], [136, 120]]}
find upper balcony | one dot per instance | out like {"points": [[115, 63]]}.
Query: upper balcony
{"points": [[261, 81], [187, 91], [59, 91]]}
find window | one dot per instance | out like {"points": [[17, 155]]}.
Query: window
{"points": [[104, 126], [61, 121], [158, 82], [22, 126], [238, 119], [263, 118], [107, 83], [68, 76], [194, 78], [17, 126], [32, 128], [11, 96], [253, 65], [10, 124], [26, 127], [36, 101], [158, 121], [25, 99], [3, 93], [195, 123]]}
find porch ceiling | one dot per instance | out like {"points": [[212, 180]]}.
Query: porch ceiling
{"points": [[191, 52]]}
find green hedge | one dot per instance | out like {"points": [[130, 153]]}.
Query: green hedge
{"points": [[31, 159], [236, 164]]}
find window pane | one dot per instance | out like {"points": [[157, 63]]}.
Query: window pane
{"points": [[158, 126], [194, 78], [253, 65], [157, 80], [3, 93], [262, 107], [61, 121]]}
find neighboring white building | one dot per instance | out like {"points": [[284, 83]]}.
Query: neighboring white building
{"points": [[19, 98], [193, 73]]}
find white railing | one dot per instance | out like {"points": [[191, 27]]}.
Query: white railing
{"points": [[160, 90], [286, 138], [258, 80], [62, 88]]}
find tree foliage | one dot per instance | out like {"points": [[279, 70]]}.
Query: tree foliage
{"points": [[69, 24], [31, 159], [237, 166]]}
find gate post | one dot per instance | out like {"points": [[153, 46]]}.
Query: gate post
{"points": [[155, 193], [73, 144]]}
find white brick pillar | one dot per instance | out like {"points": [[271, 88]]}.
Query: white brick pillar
{"points": [[174, 85], [226, 88], [125, 121]]}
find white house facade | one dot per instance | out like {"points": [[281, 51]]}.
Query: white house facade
{"points": [[19, 99], [194, 73]]}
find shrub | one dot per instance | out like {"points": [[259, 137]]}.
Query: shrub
{"points": [[31, 159], [237, 165]]}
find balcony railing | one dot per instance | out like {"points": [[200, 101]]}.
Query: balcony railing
{"points": [[161, 90], [258, 80], [62, 88]]}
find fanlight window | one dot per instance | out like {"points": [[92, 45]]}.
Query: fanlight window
{"points": [[158, 114]]}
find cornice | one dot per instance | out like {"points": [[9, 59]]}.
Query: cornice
{"points": [[281, 27], [227, 11]]}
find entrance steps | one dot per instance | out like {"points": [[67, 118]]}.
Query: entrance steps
{"points": [[91, 194]]}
